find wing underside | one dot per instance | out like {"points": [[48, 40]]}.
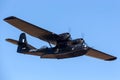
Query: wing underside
{"points": [[33, 29], [98, 54], [48, 37]]}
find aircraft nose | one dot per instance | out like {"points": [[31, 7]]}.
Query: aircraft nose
{"points": [[82, 39]]}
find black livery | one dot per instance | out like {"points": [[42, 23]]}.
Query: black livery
{"points": [[64, 46]]}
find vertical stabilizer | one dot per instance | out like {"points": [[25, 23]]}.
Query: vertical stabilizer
{"points": [[22, 44]]}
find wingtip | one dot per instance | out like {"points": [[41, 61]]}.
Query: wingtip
{"points": [[11, 17], [111, 59], [7, 39], [12, 41]]}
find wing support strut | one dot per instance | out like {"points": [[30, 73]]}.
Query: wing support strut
{"points": [[49, 44]]}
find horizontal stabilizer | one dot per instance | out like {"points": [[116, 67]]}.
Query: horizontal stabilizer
{"points": [[31, 47], [16, 43]]}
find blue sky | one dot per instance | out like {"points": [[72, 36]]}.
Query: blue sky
{"points": [[98, 20]]}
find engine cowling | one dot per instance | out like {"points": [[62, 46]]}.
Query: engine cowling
{"points": [[78, 41], [65, 36]]}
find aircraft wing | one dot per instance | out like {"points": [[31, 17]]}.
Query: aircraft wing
{"points": [[32, 29], [98, 54]]}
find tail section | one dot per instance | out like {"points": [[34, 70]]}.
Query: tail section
{"points": [[22, 44], [16, 43]]}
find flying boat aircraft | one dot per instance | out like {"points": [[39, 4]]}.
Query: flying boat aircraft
{"points": [[64, 45]]}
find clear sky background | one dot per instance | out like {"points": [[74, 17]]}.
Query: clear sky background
{"points": [[98, 20]]}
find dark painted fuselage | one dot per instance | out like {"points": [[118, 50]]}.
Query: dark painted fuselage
{"points": [[63, 52]]}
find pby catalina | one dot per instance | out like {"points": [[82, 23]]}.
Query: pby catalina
{"points": [[64, 46]]}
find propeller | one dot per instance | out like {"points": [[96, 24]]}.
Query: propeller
{"points": [[85, 45]]}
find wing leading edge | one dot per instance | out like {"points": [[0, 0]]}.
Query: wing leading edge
{"points": [[33, 29], [48, 37], [101, 55]]}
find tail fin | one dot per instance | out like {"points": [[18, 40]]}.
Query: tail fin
{"points": [[22, 44]]}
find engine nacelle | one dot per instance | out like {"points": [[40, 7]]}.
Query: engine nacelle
{"points": [[78, 41], [65, 36]]}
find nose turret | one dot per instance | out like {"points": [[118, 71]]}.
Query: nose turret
{"points": [[82, 40]]}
